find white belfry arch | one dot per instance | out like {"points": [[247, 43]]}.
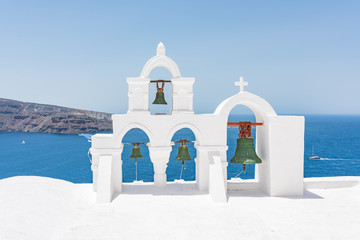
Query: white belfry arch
{"points": [[279, 142], [139, 86], [160, 60]]}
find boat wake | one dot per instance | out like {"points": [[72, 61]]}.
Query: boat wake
{"points": [[87, 136], [335, 159]]}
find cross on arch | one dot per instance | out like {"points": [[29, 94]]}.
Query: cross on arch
{"points": [[242, 84]]}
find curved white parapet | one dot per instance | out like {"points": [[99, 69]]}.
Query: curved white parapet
{"points": [[126, 128], [160, 60], [258, 105], [191, 126]]}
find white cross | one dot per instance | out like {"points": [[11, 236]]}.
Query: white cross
{"points": [[241, 83]]}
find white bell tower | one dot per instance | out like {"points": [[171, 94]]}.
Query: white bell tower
{"points": [[182, 87], [279, 140]]}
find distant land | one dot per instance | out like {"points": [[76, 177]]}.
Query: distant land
{"points": [[16, 116]]}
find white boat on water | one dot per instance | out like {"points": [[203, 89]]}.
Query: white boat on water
{"points": [[23, 142], [313, 157]]}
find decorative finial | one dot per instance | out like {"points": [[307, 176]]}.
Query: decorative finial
{"points": [[160, 49], [242, 84]]}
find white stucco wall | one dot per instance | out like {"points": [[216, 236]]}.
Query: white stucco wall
{"points": [[286, 168]]}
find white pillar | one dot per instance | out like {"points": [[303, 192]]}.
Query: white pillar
{"points": [[117, 171], [107, 172], [160, 157], [94, 168], [138, 94], [104, 183], [217, 186], [203, 163], [202, 169], [224, 164], [182, 95]]}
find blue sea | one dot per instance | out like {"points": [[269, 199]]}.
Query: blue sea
{"points": [[336, 139]]}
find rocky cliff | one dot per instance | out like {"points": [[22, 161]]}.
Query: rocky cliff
{"points": [[32, 117]]}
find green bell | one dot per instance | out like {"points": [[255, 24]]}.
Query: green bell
{"points": [[160, 98], [136, 152], [245, 152], [183, 153]]}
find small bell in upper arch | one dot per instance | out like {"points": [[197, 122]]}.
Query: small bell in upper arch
{"points": [[160, 97]]}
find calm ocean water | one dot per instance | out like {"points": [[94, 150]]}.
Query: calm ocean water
{"points": [[336, 139]]}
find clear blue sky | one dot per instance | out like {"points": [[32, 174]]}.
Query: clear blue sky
{"points": [[301, 56]]}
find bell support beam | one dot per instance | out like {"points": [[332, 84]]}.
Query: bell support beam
{"points": [[154, 81], [160, 157], [244, 128], [238, 123], [137, 143]]}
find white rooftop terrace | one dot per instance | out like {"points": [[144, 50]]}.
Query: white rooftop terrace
{"points": [[44, 208]]}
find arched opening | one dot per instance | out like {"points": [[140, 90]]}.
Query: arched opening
{"points": [[174, 168], [160, 73], [145, 169], [239, 113]]}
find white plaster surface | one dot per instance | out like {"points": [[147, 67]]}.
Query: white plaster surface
{"points": [[43, 208]]}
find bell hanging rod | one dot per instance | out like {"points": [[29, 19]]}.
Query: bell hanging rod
{"points": [[237, 124], [135, 143], [160, 80], [183, 141]]}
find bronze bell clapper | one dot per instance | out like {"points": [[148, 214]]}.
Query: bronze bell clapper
{"points": [[245, 149], [160, 96], [183, 154]]}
